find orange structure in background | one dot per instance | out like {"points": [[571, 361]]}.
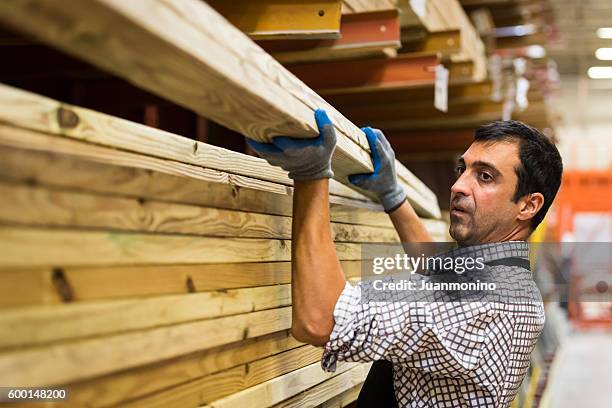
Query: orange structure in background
{"points": [[586, 193]]}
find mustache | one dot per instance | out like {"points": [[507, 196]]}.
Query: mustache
{"points": [[461, 204]]}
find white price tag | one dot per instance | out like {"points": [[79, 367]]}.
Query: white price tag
{"points": [[441, 91], [522, 89], [419, 7]]}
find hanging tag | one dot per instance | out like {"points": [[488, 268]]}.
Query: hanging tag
{"points": [[419, 7], [441, 91], [522, 88]]}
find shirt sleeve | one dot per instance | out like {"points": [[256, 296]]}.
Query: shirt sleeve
{"points": [[433, 336]]}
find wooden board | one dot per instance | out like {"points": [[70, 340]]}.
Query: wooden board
{"points": [[138, 382], [344, 399], [364, 6], [32, 286], [37, 206], [32, 157], [282, 388], [240, 87], [34, 247], [31, 111], [35, 157], [338, 391], [71, 361], [22, 327], [231, 382]]}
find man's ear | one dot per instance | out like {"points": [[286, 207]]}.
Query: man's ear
{"points": [[530, 204]]}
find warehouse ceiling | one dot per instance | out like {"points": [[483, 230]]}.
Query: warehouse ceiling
{"points": [[576, 39]]}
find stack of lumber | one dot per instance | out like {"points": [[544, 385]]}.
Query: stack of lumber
{"points": [[521, 30], [141, 268], [440, 16]]}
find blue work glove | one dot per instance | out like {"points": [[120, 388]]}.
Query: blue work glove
{"points": [[383, 181], [304, 159]]}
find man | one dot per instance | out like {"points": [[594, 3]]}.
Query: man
{"points": [[443, 353]]}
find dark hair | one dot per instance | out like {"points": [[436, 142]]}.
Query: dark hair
{"points": [[540, 167]]}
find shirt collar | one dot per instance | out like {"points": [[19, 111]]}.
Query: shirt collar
{"points": [[489, 252]]}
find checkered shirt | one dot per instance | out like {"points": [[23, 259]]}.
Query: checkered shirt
{"points": [[448, 349]]}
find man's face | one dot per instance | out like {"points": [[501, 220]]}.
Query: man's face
{"points": [[482, 209]]}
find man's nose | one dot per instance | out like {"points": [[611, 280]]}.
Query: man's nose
{"points": [[461, 186]]}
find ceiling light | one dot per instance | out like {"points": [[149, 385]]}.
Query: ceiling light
{"points": [[604, 54], [600, 72], [604, 32]]}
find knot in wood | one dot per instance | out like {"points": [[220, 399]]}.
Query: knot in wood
{"points": [[67, 118]]}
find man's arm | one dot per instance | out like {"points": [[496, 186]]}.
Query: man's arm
{"points": [[408, 225], [317, 278]]}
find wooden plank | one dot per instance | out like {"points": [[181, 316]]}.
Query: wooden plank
{"points": [[240, 87], [72, 284], [364, 6], [293, 19], [31, 111], [472, 46], [339, 391], [20, 327], [34, 157], [37, 206], [67, 163], [280, 388], [220, 385], [236, 94], [344, 399], [421, 14], [128, 385], [68, 247], [72, 361]]}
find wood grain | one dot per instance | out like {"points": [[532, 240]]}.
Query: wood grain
{"points": [[32, 157], [339, 391], [36, 206], [30, 111], [241, 87], [128, 385], [38, 325], [31, 247], [344, 399], [67, 362], [280, 388], [32, 286], [222, 384]]}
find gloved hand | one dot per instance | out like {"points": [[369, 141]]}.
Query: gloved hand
{"points": [[383, 181], [304, 159]]}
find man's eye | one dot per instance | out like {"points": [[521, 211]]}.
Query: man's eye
{"points": [[459, 169], [485, 176]]}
